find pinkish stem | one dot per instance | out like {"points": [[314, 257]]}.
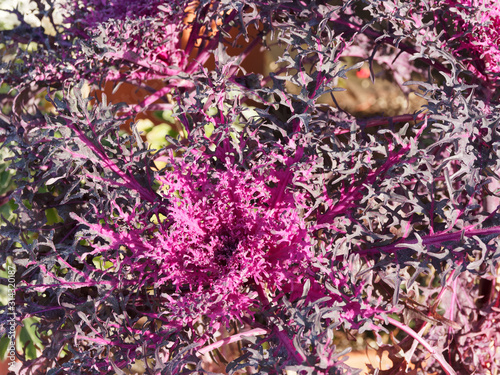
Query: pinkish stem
{"points": [[439, 357], [233, 338], [386, 120]]}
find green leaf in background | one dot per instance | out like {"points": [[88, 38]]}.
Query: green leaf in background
{"points": [[28, 339], [144, 126], [4, 268], [168, 116], [4, 345], [3, 295], [156, 136], [5, 173], [101, 264], [52, 216]]}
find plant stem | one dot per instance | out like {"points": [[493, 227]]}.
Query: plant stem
{"points": [[233, 338], [439, 357]]}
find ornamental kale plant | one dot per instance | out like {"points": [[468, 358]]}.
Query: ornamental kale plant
{"points": [[232, 217]]}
